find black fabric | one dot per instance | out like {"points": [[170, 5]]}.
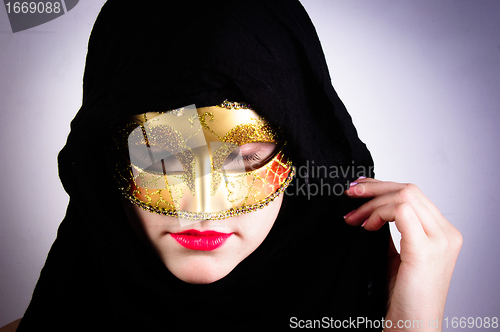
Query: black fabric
{"points": [[161, 55]]}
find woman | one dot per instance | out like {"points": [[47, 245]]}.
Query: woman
{"points": [[132, 264]]}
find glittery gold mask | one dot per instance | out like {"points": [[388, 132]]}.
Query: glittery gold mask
{"points": [[206, 163]]}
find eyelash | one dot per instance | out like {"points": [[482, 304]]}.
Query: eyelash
{"points": [[251, 157]]}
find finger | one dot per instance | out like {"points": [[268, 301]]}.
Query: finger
{"points": [[358, 216], [405, 195], [405, 218], [429, 222], [368, 188], [440, 219], [363, 179], [446, 227]]}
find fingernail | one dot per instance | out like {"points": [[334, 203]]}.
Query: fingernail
{"points": [[362, 177], [363, 224], [352, 184], [347, 215]]}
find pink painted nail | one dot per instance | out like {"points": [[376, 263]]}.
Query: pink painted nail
{"points": [[347, 215], [363, 224], [352, 184]]}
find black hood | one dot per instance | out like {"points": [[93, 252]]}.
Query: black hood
{"points": [[161, 55]]}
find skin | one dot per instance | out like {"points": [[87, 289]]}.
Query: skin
{"points": [[418, 277], [202, 267]]}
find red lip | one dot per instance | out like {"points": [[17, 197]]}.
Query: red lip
{"points": [[196, 240]]}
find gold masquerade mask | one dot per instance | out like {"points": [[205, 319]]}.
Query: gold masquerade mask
{"points": [[207, 163]]}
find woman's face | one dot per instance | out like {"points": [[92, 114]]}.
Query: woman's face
{"points": [[203, 185], [194, 257]]}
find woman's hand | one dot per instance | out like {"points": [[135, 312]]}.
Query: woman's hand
{"points": [[418, 277]]}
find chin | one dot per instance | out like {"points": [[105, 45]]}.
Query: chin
{"points": [[200, 271]]}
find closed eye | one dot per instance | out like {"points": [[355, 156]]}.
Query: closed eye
{"points": [[249, 157]]}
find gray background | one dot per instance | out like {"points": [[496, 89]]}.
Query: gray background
{"points": [[421, 79]]}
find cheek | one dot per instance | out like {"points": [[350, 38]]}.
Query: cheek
{"points": [[149, 226], [255, 226]]}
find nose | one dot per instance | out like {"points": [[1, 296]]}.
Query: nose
{"points": [[210, 192], [200, 200]]}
